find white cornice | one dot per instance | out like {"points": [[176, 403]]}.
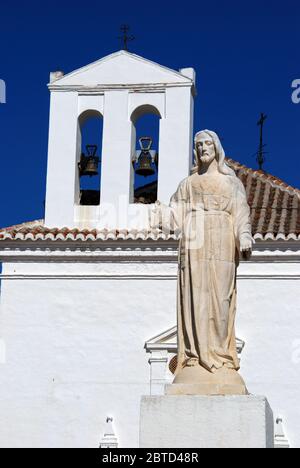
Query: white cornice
{"points": [[141, 276], [101, 89], [120, 251], [55, 277]]}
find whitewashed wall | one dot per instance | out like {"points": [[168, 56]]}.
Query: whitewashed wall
{"points": [[269, 322], [74, 335], [74, 353]]}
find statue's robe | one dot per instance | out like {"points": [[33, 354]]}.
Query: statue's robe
{"points": [[212, 214]]}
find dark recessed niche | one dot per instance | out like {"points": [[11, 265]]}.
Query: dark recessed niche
{"points": [[146, 194], [90, 197]]}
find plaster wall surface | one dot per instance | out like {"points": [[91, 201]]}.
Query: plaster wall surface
{"points": [[74, 334]]}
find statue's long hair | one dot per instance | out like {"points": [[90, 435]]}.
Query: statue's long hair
{"points": [[220, 153]]}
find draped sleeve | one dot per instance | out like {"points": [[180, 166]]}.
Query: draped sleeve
{"points": [[171, 217], [241, 213]]}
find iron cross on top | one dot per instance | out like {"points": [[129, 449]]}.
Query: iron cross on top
{"points": [[126, 38]]}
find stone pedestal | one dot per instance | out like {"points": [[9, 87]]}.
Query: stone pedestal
{"points": [[206, 422], [198, 381]]}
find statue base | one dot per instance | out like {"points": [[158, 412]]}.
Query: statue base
{"points": [[206, 422], [196, 380]]}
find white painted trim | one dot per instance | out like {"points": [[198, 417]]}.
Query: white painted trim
{"points": [[268, 277], [137, 277], [100, 89], [148, 250], [109, 439], [120, 257], [88, 277], [280, 439], [89, 256], [167, 341], [117, 54]]}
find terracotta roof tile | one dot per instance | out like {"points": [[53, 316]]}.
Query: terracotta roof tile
{"points": [[275, 205]]}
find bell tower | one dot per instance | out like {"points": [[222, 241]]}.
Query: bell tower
{"points": [[118, 89]]}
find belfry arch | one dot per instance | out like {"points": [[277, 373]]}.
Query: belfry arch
{"points": [[145, 121], [88, 157]]}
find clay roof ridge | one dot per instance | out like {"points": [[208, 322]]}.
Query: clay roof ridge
{"points": [[26, 225], [274, 181]]}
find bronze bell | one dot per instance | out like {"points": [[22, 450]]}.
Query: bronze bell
{"points": [[91, 168], [88, 165], [144, 167], [145, 161]]}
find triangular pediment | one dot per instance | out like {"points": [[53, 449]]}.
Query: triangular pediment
{"points": [[122, 68], [167, 341]]}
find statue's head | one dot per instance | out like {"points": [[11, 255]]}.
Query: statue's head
{"points": [[205, 151], [207, 148]]}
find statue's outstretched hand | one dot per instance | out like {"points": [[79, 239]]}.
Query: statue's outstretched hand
{"points": [[155, 216], [246, 244]]}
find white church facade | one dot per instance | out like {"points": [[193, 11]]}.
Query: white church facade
{"points": [[88, 295]]}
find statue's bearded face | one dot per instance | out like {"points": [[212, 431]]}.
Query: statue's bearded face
{"points": [[205, 149]]}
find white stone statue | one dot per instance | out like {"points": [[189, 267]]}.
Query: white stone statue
{"points": [[211, 211]]}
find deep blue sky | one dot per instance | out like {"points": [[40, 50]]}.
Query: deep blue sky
{"points": [[246, 54]]}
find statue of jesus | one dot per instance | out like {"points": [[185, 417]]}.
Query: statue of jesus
{"points": [[210, 209]]}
